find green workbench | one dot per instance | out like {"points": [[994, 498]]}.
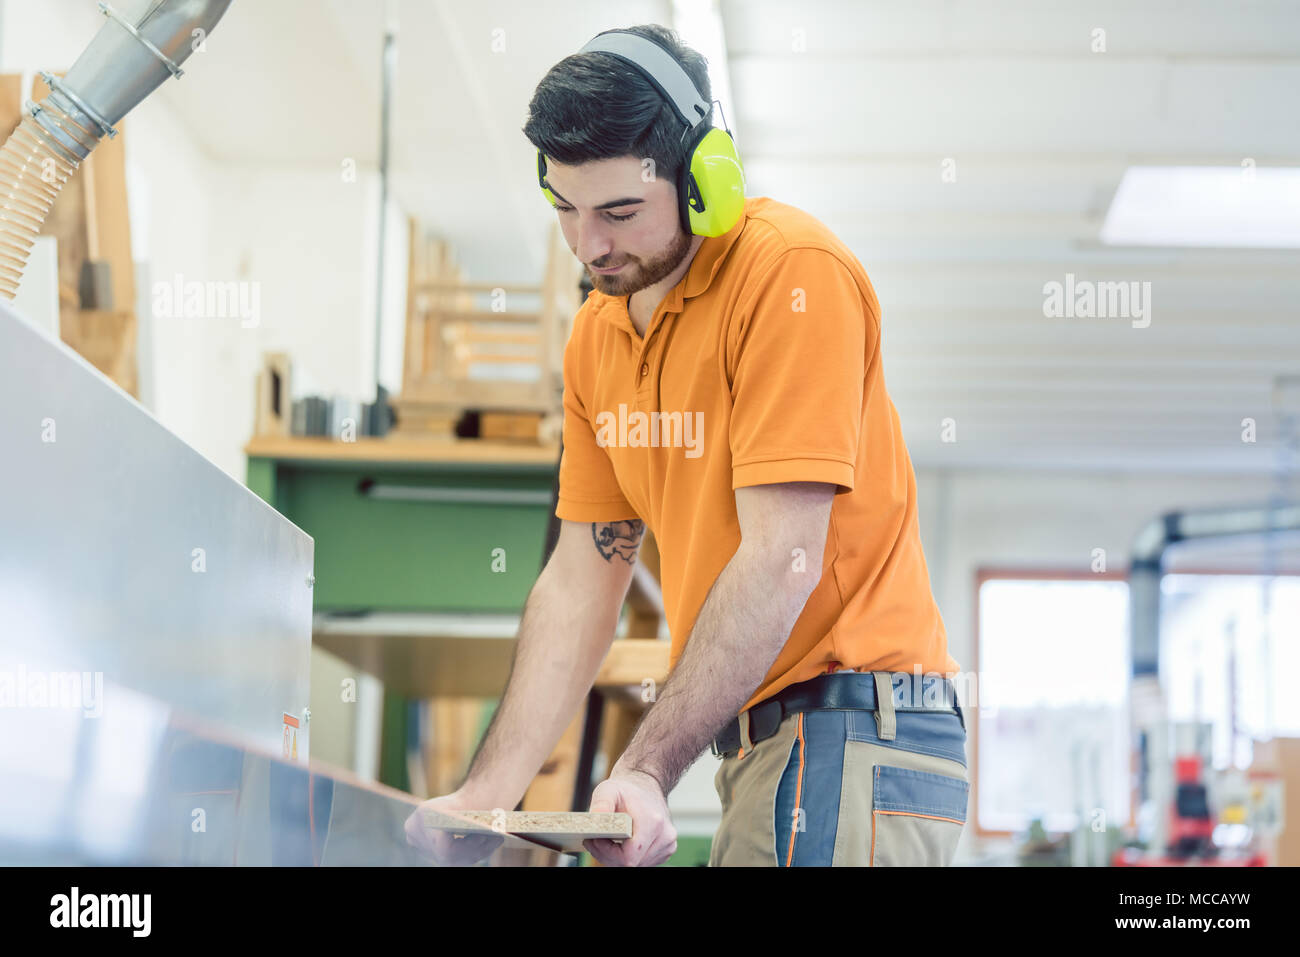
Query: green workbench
{"points": [[413, 525], [446, 526]]}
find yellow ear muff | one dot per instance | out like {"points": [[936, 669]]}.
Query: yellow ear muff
{"points": [[719, 184], [541, 178], [715, 188]]}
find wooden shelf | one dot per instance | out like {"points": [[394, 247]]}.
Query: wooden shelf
{"points": [[432, 655], [405, 450]]}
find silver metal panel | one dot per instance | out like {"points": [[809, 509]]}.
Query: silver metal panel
{"points": [[126, 553], [141, 784]]}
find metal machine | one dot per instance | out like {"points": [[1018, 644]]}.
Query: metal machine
{"points": [[156, 632]]}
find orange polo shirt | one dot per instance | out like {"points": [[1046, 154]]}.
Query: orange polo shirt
{"points": [[762, 365]]}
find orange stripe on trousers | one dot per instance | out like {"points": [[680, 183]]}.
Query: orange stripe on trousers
{"points": [[798, 797], [932, 817]]}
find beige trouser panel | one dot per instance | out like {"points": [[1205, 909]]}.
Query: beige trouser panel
{"points": [[873, 831], [870, 837], [899, 805], [886, 723], [747, 788]]}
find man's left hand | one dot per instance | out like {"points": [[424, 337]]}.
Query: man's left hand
{"points": [[653, 840]]}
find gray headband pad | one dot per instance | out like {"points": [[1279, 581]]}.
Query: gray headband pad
{"points": [[660, 68]]}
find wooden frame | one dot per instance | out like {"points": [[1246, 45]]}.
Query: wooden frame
{"points": [[274, 415], [448, 335]]}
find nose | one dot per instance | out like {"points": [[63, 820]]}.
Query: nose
{"points": [[593, 241]]}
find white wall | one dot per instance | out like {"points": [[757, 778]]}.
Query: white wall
{"points": [[304, 239], [169, 189], [294, 236], [305, 235]]}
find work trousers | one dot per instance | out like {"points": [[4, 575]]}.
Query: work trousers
{"points": [[847, 788]]}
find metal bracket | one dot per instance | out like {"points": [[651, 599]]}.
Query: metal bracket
{"points": [[58, 86], [167, 61]]}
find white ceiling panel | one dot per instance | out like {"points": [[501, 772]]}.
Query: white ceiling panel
{"points": [[849, 110]]}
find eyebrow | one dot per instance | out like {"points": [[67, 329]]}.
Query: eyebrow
{"points": [[626, 201]]}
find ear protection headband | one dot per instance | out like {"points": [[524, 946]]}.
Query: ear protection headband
{"points": [[711, 183]]}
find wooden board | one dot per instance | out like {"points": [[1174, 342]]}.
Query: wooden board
{"points": [[393, 449], [104, 338], [274, 395], [430, 665], [509, 425], [558, 830]]}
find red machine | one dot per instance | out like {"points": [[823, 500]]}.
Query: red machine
{"points": [[1190, 822]]}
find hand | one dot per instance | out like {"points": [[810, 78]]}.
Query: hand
{"points": [[444, 847], [653, 840]]}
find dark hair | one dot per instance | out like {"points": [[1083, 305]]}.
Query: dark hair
{"points": [[593, 106]]}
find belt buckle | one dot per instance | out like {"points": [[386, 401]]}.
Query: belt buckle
{"points": [[713, 742], [734, 722]]}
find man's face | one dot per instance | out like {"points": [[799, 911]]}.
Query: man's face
{"points": [[649, 246]]}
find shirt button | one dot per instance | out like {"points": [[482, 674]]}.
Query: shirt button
{"points": [[645, 368]]}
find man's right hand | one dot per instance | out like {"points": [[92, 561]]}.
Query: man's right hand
{"points": [[446, 849]]}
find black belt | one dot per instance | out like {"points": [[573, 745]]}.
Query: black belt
{"points": [[843, 691]]}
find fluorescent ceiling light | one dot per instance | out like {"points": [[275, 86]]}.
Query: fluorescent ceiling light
{"points": [[1216, 206], [699, 24]]}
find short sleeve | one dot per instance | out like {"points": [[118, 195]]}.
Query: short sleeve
{"points": [[800, 368], [589, 490]]}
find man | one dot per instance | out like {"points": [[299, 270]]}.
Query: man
{"points": [[726, 391]]}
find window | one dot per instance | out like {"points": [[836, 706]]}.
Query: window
{"points": [[1052, 707], [1228, 644]]}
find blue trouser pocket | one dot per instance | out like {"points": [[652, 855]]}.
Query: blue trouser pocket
{"points": [[847, 796], [916, 816]]}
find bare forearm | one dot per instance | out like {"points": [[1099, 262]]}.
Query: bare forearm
{"points": [[741, 628], [560, 647]]}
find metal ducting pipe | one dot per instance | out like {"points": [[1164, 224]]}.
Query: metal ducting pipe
{"points": [[1148, 564], [135, 50]]}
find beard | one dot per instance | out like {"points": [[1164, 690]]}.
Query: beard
{"points": [[637, 275]]}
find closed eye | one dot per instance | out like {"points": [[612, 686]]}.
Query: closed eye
{"points": [[621, 219]]}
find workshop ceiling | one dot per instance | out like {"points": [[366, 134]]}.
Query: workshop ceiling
{"points": [[854, 111]]}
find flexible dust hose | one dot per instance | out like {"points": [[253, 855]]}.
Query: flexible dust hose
{"points": [[132, 54], [32, 171]]}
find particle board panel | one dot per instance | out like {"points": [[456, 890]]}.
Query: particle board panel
{"points": [[554, 784], [558, 830]]}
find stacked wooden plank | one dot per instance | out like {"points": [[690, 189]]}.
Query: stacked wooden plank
{"points": [[494, 350]]}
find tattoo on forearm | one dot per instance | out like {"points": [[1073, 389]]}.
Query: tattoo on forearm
{"points": [[618, 538]]}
